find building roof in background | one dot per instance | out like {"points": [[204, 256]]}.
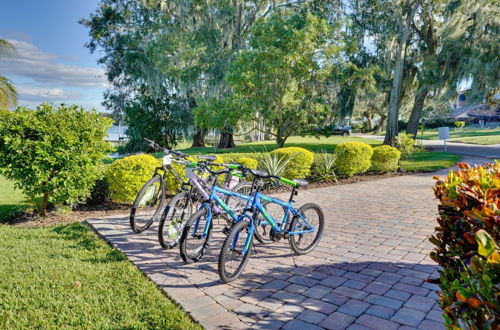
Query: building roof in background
{"points": [[476, 111]]}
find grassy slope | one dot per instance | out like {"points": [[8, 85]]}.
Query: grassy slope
{"points": [[39, 271], [11, 200], [432, 134]]}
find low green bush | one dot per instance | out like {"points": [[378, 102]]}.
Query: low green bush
{"points": [[385, 158], [248, 162], [405, 143], [353, 157], [467, 246], [126, 176], [300, 164]]}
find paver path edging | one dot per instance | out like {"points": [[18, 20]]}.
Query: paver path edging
{"points": [[367, 272]]}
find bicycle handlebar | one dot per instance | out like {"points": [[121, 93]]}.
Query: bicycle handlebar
{"points": [[260, 174], [155, 145]]}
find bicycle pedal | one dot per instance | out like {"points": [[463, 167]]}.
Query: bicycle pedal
{"points": [[225, 231]]}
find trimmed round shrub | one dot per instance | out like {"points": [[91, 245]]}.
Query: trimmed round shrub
{"points": [[300, 164], [385, 158], [126, 176], [353, 158], [248, 162]]}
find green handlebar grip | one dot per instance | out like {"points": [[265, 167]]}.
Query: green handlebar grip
{"points": [[193, 164], [238, 175], [234, 166], [290, 182]]}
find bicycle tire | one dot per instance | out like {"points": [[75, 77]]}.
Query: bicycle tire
{"points": [[295, 223], [189, 255], [142, 219], [175, 216], [227, 252]]}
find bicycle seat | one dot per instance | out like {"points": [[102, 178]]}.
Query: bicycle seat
{"points": [[260, 173], [210, 158], [300, 182]]}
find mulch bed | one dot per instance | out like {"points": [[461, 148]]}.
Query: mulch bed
{"points": [[83, 212]]}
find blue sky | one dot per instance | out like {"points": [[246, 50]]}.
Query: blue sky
{"points": [[52, 63]]}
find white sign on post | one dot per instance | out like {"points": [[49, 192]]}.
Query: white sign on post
{"points": [[444, 134]]}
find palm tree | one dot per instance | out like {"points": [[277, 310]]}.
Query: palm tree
{"points": [[8, 93]]}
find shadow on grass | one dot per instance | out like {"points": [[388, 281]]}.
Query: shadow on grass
{"points": [[85, 239], [9, 211]]}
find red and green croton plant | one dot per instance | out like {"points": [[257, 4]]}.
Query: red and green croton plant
{"points": [[467, 246]]}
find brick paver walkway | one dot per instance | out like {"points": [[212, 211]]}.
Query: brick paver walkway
{"points": [[367, 272]]}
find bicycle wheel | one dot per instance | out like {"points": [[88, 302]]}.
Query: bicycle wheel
{"points": [[237, 204], [148, 204], [305, 243], [193, 244], [176, 214], [232, 261], [262, 227]]}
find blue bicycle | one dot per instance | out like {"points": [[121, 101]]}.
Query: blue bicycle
{"points": [[197, 231], [302, 227]]}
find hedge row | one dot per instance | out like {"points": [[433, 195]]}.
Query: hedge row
{"points": [[126, 176]]}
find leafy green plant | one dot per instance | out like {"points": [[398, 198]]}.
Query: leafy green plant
{"points": [[353, 158], [300, 162], [405, 143], [324, 166], [385, 158], [275, 164], [466, 243], [52, 151]]}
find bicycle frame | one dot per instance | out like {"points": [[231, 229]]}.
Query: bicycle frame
{"points": [[289, 209], [218, 202]]}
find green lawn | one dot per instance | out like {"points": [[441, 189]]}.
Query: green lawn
{"points": [[311, 143], [66, 277], [12, 200], [429, 161], [456, 136], [483, 140]]}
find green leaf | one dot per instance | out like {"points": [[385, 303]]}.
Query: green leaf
{"points": [[486, 245]]}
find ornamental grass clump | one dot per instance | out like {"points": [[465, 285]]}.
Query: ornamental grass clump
{"points": [[467, 246], [323, 168]]}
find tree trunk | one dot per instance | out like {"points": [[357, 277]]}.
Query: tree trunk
{"points": [[226, 138], [198, 138], [416, 112], [45, 202], [397, 81], [280, 141]]}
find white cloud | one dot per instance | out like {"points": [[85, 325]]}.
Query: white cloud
{"points": [[40, 94], [42, 67]]}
